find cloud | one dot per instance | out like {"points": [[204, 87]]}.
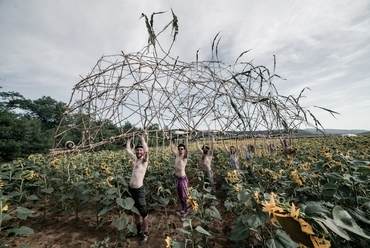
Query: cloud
{"points": [[47, 46]]}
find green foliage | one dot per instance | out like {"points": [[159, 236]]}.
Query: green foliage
{"points": [[98, 182]]}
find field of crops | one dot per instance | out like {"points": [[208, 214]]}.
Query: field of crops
{"points": [[318, 197]]}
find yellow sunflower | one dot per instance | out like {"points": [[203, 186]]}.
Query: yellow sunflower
{"points": [[168, 242], [193, 203], [297, 228]]}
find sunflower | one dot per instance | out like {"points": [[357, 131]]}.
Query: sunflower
{"points": [[296, 177], [237, 187], [297, 228], [87, 172], [193, 203], [233, 176], [256, 197], [168, 242], [107, 180], [5, 208], [106, 168]]}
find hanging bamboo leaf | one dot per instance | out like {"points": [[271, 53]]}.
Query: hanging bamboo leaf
{"points": [[261, 100], [175, 25], [237, 111], [328, 110]]}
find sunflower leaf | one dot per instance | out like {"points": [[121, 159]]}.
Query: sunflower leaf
{"points": [[344, 220], [281, 240]]}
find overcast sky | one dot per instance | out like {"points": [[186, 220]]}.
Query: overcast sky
{"points": [[47, 46]]}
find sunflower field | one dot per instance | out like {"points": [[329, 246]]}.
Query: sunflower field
{"points": [[317, 197]]}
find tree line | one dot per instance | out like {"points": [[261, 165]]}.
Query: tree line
{"points": [[28, 126]]}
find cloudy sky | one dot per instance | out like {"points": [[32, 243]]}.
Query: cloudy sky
{"points": [[46, 47]]}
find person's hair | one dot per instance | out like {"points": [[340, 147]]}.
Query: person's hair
{"points": [[181, 145], [205, 147], [232, 147], [138, 146]]}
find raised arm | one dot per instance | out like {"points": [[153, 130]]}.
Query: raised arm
{"points": [[198, 147], [128, 148], [145, 146], [223, 142], [186, 146], [212, 144], [281, 141], [172, 147]]}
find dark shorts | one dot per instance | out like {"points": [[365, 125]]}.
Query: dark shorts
{"points": [[139, 197]]}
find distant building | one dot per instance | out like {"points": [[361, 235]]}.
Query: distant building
{"points": [[349, 134]]}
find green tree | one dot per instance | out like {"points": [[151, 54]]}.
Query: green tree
{"points": [[27, 126], [20, 136]]}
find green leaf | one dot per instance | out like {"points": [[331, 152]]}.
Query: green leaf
{"points": [[281, 240], [6, 217], [330, 189], [120, 223], [126, 203], [333, 227], [23, 230], [344, 220], [344, 192], [105, 210], [202, 231], [135, 210], [32, 198], [183, 231], [315, 208], [111, 191], [228, 205], [334, 176], [254, 221], [213, 212], [360, 215], [23, 213], [240, 232], [261, 100], [48, 190], [163, 201], [237, 111]]}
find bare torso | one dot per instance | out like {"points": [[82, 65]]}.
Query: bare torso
{"points": [[180, 165], [138, 173], [205, 162], [140, 158]]}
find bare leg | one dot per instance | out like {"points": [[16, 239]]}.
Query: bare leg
{"points": [[146, 224], [137, 222]]}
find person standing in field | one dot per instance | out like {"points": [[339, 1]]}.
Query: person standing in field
{"points": [[233, 155], [137, 189], [248, 152], [287, 146], [271, 148], [181, 159], [205, 162]]}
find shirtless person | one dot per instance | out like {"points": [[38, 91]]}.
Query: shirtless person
{"points": [[287, 146], [136, 187], [181, 159], [205, 162], [233, 155], [248, 152]]}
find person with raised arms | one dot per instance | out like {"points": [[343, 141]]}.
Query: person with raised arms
{"points": [[137, 189], [181, 159], [205, 162]]}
